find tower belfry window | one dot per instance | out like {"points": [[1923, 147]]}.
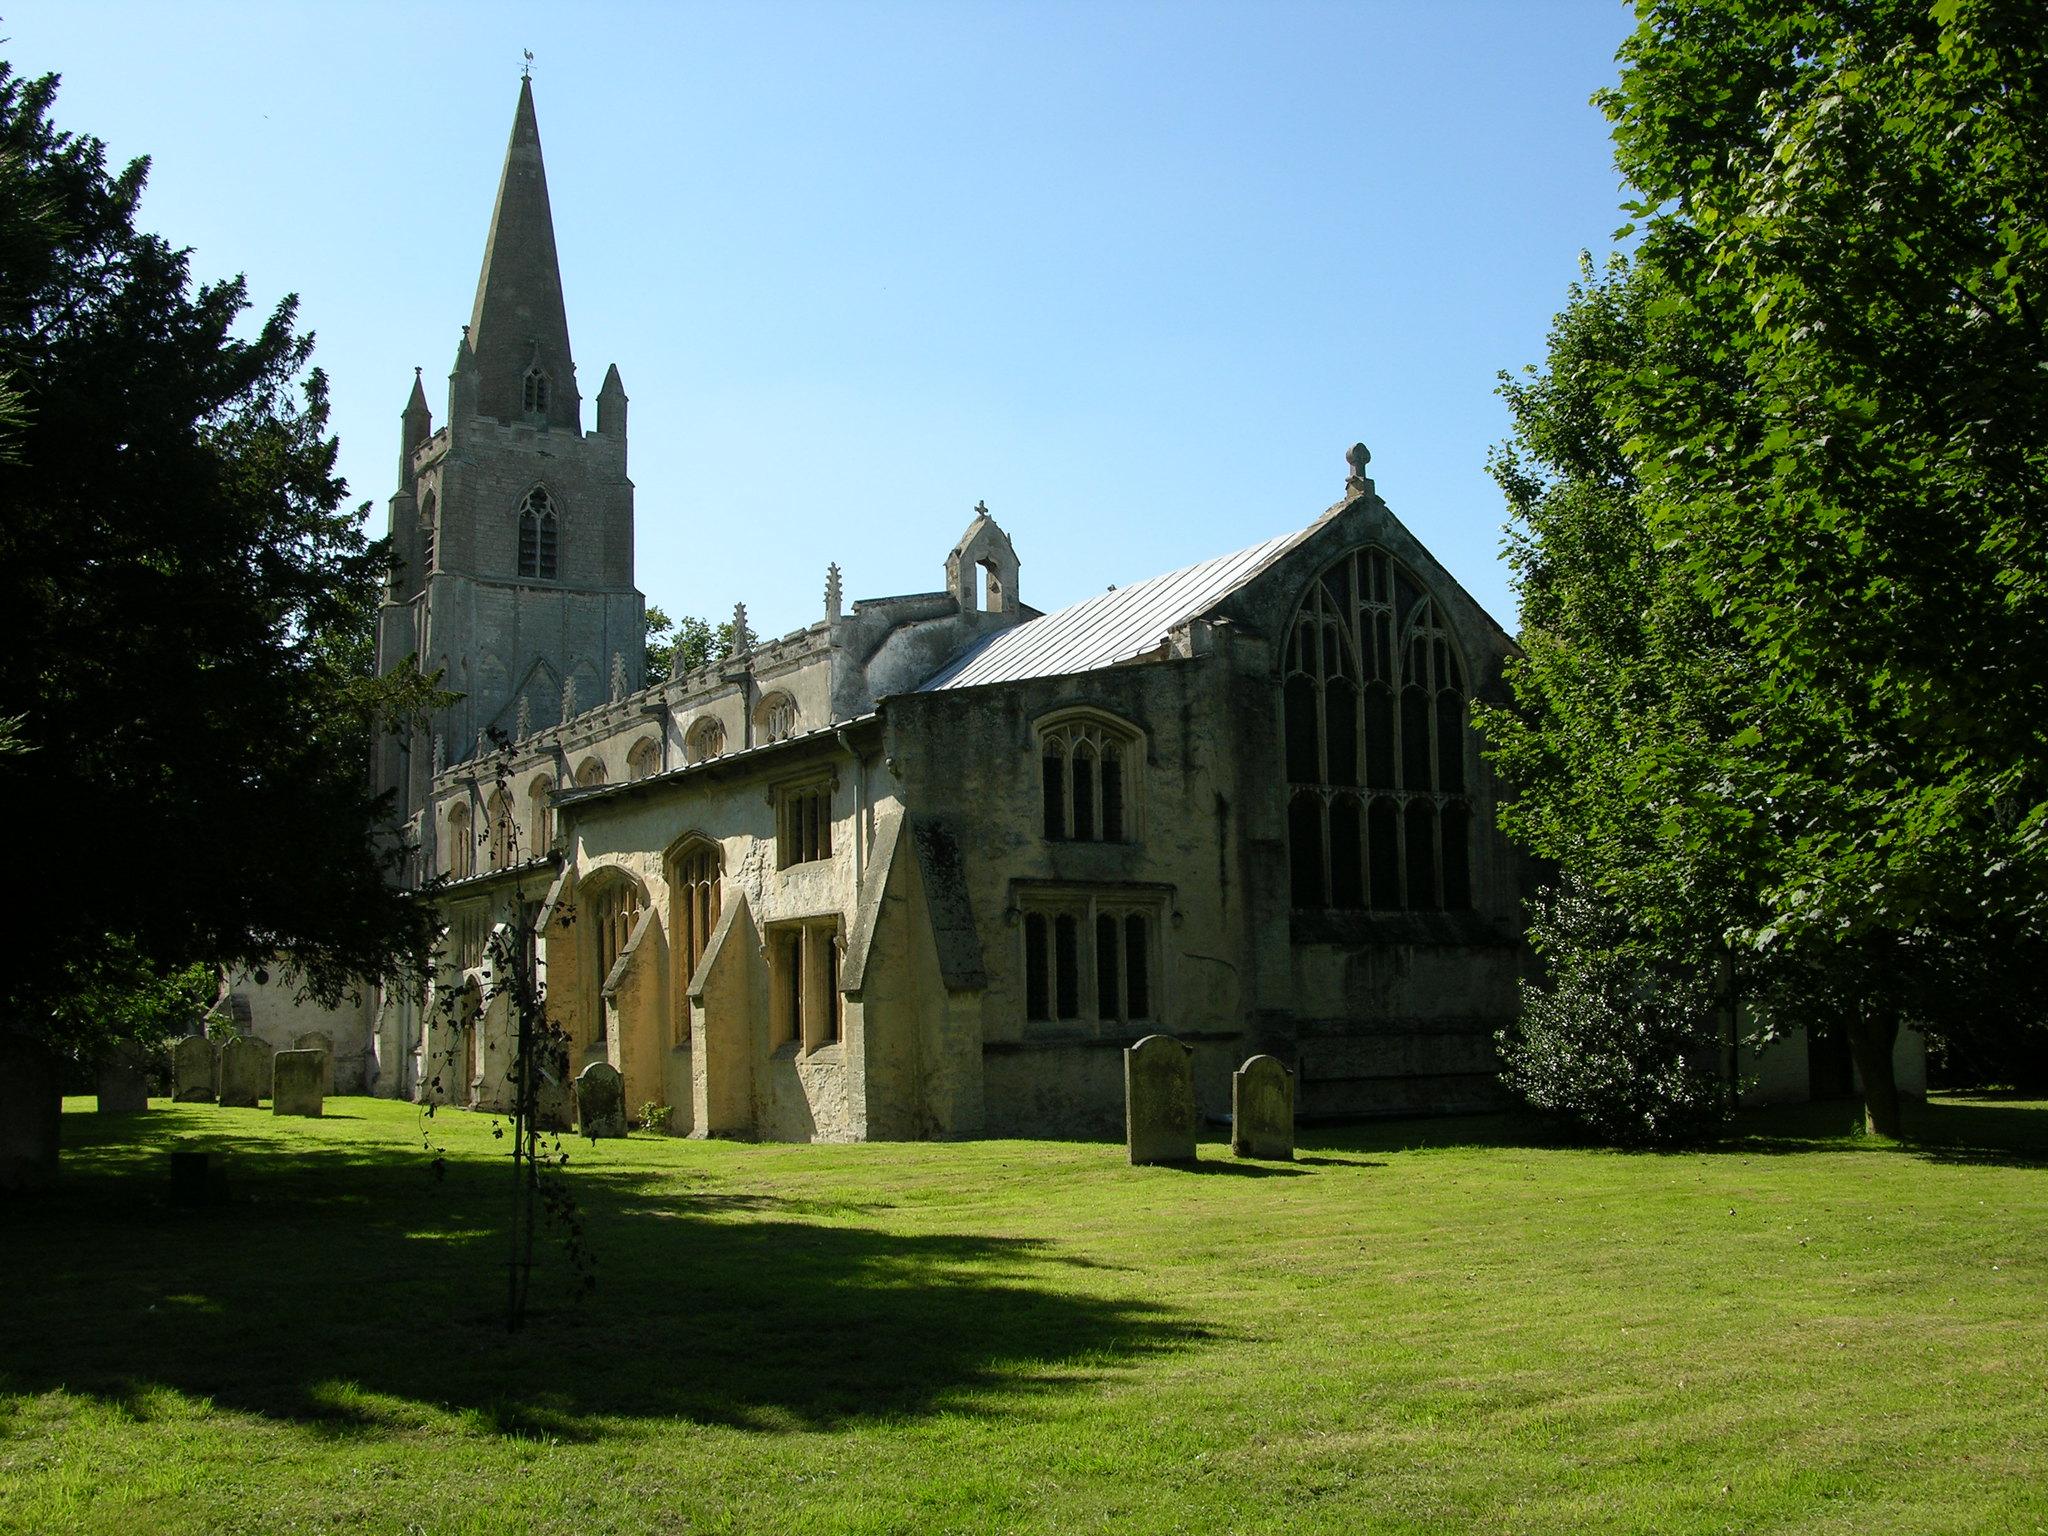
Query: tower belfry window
{"points": [[535, 397], [537, 536]]}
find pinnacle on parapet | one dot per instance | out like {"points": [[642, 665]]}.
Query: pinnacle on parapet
{"points": [[1356, 483], [832, 597], [525, 720], [568, 698], [618, 676], [742, 641], [440, 752]]}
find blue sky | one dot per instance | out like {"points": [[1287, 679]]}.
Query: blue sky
{"points": [[1135, 274]]}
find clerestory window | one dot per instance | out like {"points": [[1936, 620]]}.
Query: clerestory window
{"points": [[1379, 816], [706, 740], [1087, 775], [461, 844], [537, 536]]}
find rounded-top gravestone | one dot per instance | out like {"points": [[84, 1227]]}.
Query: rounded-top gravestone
{"points": [[245, 1072], [1159, 1101], [600, 1101], [1262, 1109], [319, 1040], [295, 1083], [192, 1079]]}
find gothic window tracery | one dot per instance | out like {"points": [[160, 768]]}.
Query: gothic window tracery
{"points": [[614, 908], [461, 847], [644, 760], [589, 773], [705, 741], [537, 536], [694, 903], [1379, 815], [534, 394], [541, 798], [1091, 957], [430, 515], [1088, 776], [776, 716]]}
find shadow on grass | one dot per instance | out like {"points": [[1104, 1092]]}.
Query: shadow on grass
{"points": [[346, 1289]]}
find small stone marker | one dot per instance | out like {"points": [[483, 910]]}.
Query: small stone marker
{"points": [[31, 1105], [1159, 1101], [1262, 1110], [244, 1072], [600, 1101], [295, 1083], [320, 1040], [123, 1084], [192, 1070]]}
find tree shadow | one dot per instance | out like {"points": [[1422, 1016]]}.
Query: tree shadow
{"points": [[345, 1288]]}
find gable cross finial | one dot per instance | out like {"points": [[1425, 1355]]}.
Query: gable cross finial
{"points": [[981, 508], [1356, 483]]}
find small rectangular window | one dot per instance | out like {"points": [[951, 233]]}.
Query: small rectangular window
{"points": [[803, 824]]}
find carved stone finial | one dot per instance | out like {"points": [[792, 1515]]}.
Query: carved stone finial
{"points": [[568, 698], [440, 752], [482, 744], [742, 642], [618, 676], [525, 717], [832, 591], [1356, 482]]}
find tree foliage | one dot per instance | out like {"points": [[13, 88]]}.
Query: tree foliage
{"points": [[180, 578], [1831, 447], [679, 646]]}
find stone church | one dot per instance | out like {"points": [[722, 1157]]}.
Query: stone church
{"points": [[923, 867]]}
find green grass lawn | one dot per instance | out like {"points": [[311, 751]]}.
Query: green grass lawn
{"points": [[1429, 1326]]}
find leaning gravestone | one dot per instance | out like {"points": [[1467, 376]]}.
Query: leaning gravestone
{"points": [[192, 1079], [245, 1071], [123, 1081], [600, 1101], [295, 1082], [1159, 1101], [1262, 1110], [320, 1040]]}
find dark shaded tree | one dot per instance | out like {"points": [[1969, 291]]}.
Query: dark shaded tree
{"points": [[180, 576]]}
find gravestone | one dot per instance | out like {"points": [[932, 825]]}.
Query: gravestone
{"points": [[600, 1101], [295, 1082], [1262, 1110], [244, 1071], [31, 1106], [192, 1080], [123, 1081], [1159, 1101], [320, 1040]]}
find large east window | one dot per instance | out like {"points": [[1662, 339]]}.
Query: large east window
{"points": [[1378, 814]]}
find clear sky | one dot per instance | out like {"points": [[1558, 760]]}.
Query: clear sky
{"points": [[1135, 274]]}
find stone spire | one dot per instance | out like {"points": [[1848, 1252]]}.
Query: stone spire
{"points": [[519, 326]]}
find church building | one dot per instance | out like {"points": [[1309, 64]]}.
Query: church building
{"points": [[923, 867]]}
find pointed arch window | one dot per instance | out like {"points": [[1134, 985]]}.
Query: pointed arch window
{"points": [[694, 902], [534, 395], [542, 817], [644, 760], [430, 517], [537, 536], [1379, 813], [1088, 772], [461, 845], [705, 741], [614, 910], [776, 717], [503, 836]]}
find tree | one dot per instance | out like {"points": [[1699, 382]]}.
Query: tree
{"points": [[1836, 444], [179, 575], [677, 646]]}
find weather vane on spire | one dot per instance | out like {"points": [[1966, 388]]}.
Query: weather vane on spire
{"points": [[526, 69]]}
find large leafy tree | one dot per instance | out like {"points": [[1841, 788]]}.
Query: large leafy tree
{"points": [[180, 579], [1836, 445]]}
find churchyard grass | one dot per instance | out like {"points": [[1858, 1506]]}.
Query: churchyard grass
{"points": [[1427, 1326]]}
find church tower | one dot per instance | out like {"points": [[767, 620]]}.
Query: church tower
{"points": [[512, 525]]}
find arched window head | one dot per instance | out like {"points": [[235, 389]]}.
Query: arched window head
{"points": [[537, 536], [535, 393], [1376, 744], [644, 760], [541, 817], [589, 773], [775, 718], [705, 741], [1088, 764], [612, 906], [461, 844]]}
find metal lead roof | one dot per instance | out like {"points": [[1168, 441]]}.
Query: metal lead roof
{"points": [[1115, 627]]}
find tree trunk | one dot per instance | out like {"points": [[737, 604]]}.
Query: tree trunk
{"points": [[1872, 1033]]}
